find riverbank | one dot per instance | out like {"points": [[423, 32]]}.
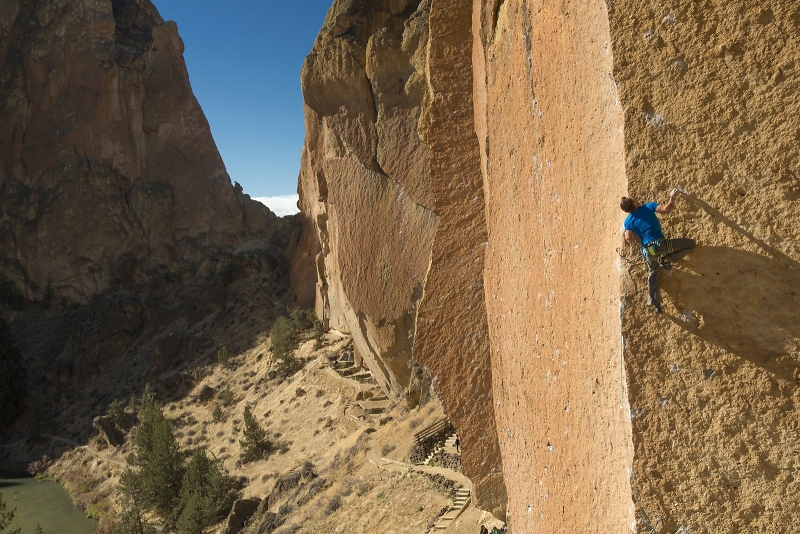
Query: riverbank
{"points": [[45, 503]]}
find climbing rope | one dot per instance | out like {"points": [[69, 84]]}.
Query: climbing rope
{"points": [[629, 263], [637, 500]]}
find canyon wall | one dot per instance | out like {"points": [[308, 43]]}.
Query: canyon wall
{"points": [[452, 331], [365, 181], [108, 170], [535, 118], [709, 93], [551, 144]]}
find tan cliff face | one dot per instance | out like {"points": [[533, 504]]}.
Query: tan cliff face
{"points": [[107, 165], [537, 118], [373, 189], [549, 128], [364, 181], [709, 94]]}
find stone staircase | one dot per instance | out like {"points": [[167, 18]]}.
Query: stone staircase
{"points": [[370, 397], [460, 502], [450, 445]]}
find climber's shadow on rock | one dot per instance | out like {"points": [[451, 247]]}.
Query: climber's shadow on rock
{"points": [[743, 302]]}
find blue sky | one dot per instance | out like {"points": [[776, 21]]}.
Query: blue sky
{"points": [[244, 59]]}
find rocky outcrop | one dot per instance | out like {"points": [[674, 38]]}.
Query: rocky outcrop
{"points": [[106, 428], [537, 117], [243, 510], [108, 171], [364, 182]]}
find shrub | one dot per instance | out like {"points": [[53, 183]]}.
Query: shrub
{"points": [[255, 444], [319, 334], [226, 396], [217, 415], [116, 412], [223, 357], [334, 504], [303, 319], [38, 467]]}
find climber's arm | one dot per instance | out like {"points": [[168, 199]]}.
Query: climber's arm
{"points": [[669, 206]]}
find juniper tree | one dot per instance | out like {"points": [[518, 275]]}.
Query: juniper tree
{"points": [[158, 457], [133, 520], [284, 340], [255, 444], [207, 493], [6, 517]]}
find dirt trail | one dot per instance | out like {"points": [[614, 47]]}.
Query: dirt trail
{"points": [[97, 454]]}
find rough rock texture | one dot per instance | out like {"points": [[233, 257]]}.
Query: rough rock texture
{"points": [[107, 165], [709, 93], [243, 510], [551, 143], [365, 181], [452, 334], [106, 428], [538, 117]]}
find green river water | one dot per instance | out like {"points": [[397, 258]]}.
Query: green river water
{"points": [[43, 502]]}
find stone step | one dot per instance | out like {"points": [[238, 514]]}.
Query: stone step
{"points": [[372, 406], [350, 371], [363, 376]]}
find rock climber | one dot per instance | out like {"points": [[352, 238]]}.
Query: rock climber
{"points": [[643, 223]]}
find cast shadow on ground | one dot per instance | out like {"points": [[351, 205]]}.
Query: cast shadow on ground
{"points": [[743, 302]]}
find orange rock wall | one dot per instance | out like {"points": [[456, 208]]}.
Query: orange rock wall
{"points": [[709, 93], [364, 182], [549, 126], [452, 333]]}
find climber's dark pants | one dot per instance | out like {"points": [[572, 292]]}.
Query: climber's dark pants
{"points": [[655, 253]]}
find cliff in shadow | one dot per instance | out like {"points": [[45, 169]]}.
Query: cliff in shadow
{"points": [[108, 171], [518, 293]]}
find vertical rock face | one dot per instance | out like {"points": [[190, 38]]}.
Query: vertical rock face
{"points": [[107, 164], [709, 93], [549, 127], [452, 332], [537, 117], [365, 180]]}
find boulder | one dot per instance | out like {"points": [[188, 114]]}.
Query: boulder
{"points": [[243, 509], [112, 435]]}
